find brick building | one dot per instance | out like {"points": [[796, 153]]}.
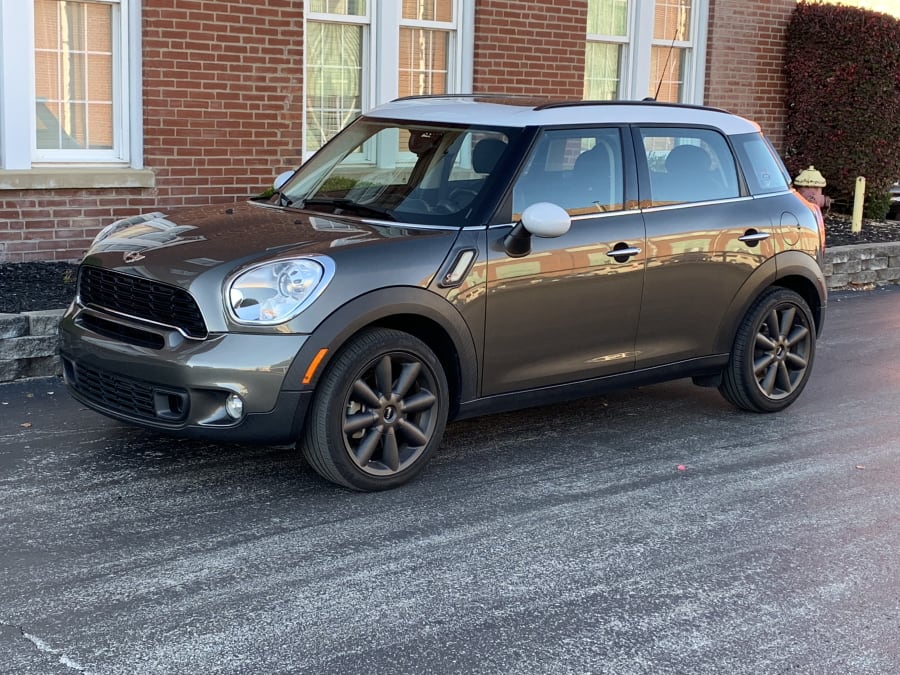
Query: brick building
{"points": [[112, 107]]}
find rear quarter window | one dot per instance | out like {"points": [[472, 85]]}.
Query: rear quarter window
{"points": [[763, 168], [688, 165]]}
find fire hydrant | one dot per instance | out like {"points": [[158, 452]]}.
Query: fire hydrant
{"points": [[809, 183]]}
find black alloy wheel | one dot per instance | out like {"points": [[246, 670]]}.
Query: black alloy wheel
{"points": [[379, 412], [773, 353]]}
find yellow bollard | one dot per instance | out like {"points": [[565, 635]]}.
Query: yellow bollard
{"points": [[858, 195]]}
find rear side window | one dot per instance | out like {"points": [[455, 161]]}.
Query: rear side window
{"points": [[688, 165], [578, 169], [763, 168]]}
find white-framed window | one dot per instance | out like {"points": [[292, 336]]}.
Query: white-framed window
{"points": [[359, 53], [70, 78], [640, 48]]}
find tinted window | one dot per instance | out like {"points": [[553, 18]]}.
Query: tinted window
{"points": [[762, 167], [688, 165], [578, 169]]}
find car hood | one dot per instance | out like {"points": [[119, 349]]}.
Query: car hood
{"points": [[214, 241]]}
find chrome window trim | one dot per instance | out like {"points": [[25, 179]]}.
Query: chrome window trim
{"points": [[578, 218], [687, 205]]}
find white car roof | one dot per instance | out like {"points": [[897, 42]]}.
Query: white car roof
{"points": [[514, 112]]}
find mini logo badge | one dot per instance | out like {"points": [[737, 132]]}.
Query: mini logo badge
{"points": [[132, 256]]}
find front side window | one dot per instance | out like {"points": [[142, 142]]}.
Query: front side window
{"points": [[578, 169], [688, 165], [425, 173], [360, 53]]}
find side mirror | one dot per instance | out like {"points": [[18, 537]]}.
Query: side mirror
{"points": [[542, 219], [282, 178]]}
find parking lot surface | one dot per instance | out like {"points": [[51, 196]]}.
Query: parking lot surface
{"points": [[654, 530]]}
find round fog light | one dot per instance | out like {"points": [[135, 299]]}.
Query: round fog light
{"points": [[234, 406]]}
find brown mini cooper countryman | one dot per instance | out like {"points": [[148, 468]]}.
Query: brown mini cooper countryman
{"points": [[446, 257]]}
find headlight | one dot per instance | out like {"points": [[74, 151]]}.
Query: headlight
{"points": [[278, 291]]}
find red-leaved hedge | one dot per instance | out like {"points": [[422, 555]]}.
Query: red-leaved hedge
{"points": [[843, 99]]}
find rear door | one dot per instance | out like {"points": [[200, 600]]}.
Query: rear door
{"points": [[705, 237], [568, 310]]}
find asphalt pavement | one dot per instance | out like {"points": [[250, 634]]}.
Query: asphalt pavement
{"points": [[656, 530]]}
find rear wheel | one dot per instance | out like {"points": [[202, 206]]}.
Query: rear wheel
{"points": [[773, 352], [379, 412]]}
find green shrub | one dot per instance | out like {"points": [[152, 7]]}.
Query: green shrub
{"points": [[843, 99]]}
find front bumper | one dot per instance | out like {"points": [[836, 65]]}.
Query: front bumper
{"points": [[179, 385]]}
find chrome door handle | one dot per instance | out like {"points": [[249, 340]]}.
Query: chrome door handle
{"points": [[623, 252], [753, 237]]}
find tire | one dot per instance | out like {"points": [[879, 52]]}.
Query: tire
{"points": [[378, 413], [773, 353]]}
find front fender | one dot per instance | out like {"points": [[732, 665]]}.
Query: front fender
{"points": [[378, 306]]}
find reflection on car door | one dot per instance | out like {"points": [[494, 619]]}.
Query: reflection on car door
{"points": [[569, 310], [704, 240]]}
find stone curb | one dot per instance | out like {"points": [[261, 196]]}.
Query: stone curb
{"points": [[28, 341]]}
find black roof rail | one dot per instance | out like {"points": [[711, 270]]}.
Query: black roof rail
{"points": [[646, 102], [542, 103], [487, 95]]}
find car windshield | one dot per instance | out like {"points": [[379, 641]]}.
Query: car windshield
{"points": [[406, 172]]}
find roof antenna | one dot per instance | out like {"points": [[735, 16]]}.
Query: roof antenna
{"points": [[662, 73]]}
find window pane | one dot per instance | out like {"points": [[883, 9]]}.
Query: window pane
{"points": [[601, 77], [333, 73], [672, 20], [345, 7], [608, 17], [73, 74], [579, 170], [689, 165], [428, 10], [423, 61], [766, 171], [667, 73]]}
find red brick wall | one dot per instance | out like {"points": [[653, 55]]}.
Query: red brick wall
{"points": [[223, 99], [530, 47], [222, 116], [744, 65]]}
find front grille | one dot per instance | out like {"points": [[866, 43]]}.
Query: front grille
{"points": [[120, 332], [126, 395], [141, 298]]}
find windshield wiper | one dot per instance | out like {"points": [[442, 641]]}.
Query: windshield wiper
{"points": [[345, 204]]}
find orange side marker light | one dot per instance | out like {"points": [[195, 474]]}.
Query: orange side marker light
{"points": [[314, 364]]}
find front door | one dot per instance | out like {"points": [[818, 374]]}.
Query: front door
{"points": [[568, 310]]}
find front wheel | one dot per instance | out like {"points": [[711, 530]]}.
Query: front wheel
{"points": [[773, 352], [379, 412]]}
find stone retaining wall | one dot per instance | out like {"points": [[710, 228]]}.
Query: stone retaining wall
{"points": [[862, 266], [28, 341]]}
